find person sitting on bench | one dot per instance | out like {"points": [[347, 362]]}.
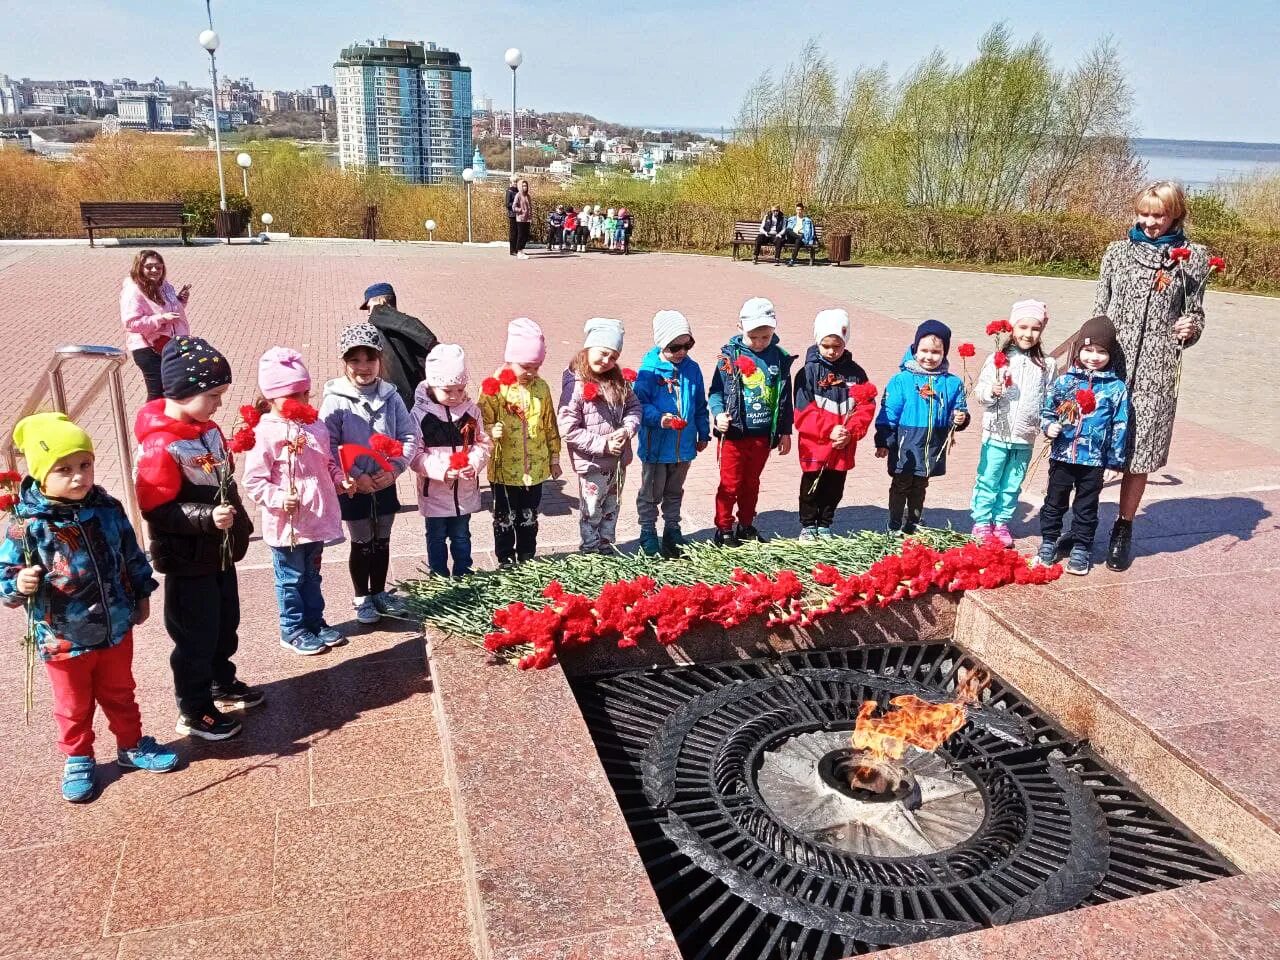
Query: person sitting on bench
{"points": [[771, 228], [799, 231]]}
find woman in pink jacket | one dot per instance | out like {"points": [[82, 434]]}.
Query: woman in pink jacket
{"points": [[153, 313], [291, 475]]}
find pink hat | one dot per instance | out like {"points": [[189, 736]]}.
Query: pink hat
{"points": [[446, 366], [1029, 310], [281, 373], [525, 342]]}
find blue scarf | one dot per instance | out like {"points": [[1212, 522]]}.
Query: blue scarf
{"points": [[1176, 238]]}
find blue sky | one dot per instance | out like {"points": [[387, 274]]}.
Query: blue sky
{"points": [[1207, 71]]}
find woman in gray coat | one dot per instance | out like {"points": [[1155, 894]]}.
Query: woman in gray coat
{"points": [[1156, 302]]}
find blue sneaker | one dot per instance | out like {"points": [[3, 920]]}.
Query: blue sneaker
{"points": [[825, 533], [77, 779], [330, 637], [305, 643], [1080, 562], [147, 755], [1047, 555]]}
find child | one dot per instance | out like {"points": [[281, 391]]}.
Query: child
{"points": [[622, 231], [923, 405], [453, 452], [675, 426], [356, 406], [1086, 442], [609, 227], [750, 401], [569, 237], [597, 224], [555, 227], [598, 415], [1011, 396], [829, 421], [199, 531], [98, 587], [584, 229], [291, 474], [520, 417]]}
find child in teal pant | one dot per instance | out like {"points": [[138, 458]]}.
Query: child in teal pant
{"points": [[1011, 395]]}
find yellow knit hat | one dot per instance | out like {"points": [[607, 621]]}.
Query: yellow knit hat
{"points": [[45, 438]]}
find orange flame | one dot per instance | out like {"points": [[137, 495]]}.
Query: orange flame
{"points": [[916, 722]]}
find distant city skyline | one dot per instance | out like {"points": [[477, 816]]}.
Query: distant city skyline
{"points": [[1209, 78]]}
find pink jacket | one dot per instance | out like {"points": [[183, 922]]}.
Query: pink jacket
{"points": [[142, 317], [445, 431], [316, 479]]}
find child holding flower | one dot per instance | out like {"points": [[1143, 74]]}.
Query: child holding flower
{"points": [[453, 452], [1086, 417], [520, 417], [923, 407], [1011, 389], [750, 402], [598, 415], [291, 474]]}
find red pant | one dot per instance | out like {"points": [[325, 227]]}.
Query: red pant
{"points": [[101, 677], [741, 463]]}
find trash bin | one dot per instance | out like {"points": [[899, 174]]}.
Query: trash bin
{"points": [[231, 223], [838, 252]]}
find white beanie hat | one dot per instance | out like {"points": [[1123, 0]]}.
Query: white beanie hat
{"points": [[757, 312], [1029, 310], [604, 332], [831, 323], [669, 325]]}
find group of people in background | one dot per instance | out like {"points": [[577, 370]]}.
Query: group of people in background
{"points": [[582, 230], [779, 231]]}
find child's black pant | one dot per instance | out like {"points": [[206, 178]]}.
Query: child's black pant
{"points": [[515, 521], [906, 500], [820, 494], [202, 615], [1087, 484]]}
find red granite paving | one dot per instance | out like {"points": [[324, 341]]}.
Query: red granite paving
{"points": [[330, 828]]}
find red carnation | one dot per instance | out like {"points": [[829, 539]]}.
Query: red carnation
{"points": [[298, 412], [490, 386], [864, 393], [10, 476], [966, 350], [7, 501], [678, 423], [996, 327], [1086, 401], [387, 446], [629, 375], [1217, 263], [1000, 360], [250, 414], [507, 377], [746, 366], [1180, 253], [458, 460], [590, 391], [242, 440]]}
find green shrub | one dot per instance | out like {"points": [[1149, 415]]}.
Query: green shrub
{"points": [[201, 208]]}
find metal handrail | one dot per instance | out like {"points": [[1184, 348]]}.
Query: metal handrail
{"points": [[51, 384]]}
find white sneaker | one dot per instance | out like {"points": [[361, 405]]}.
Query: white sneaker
{"points": [[522, 255], [366, 612]]}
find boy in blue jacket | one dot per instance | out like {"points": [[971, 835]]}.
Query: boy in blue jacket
{"points": [[750, 400], [72, 558], [923, 406], [674, 428], [1086, 417]]}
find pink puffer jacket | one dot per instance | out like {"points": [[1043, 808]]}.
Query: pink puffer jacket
{"points": [[315, 479], [586, 424], [144, 320], [444, 432]]}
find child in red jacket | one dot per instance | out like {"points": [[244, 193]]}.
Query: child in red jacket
{"points": [[834, 407]]}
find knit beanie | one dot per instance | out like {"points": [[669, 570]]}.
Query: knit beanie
{"points": [[45, 438], [668, 326], [603, 332], [446, 366], [757, 312], [933, 328], [831, 323], [1029, 310], [190, 365], [1097, 332], [362, 334], [525, 343], [281, 373]]}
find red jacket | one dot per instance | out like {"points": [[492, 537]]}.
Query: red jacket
{"points": [[822, 403]]}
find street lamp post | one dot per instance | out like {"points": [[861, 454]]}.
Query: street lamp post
{"points": [[245, 162], [468, 176], [209, 40], [514, 58]]}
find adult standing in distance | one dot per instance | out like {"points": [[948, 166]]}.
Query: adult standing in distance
{"points": [[522, 206], [771, 228], [407, 338], [1157, 314], [512, 189], [153, 313]]}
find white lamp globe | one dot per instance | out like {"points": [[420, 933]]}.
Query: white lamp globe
{"points": [[209, 40], [514, 58], [244, 160], [267, 219], [430, 225], [468, 174]]}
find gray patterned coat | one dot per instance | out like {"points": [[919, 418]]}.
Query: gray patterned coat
{"points": [[1144, 317]]}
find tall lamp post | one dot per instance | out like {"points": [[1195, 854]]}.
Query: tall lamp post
{"points": [[209, 40], [244, 161], [514, 58], [468, 176]]}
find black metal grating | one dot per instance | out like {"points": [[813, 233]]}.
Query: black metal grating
{"points": [[683, 746]]}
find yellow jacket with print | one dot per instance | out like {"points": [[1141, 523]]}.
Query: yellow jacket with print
{"points": [[530, 440]]}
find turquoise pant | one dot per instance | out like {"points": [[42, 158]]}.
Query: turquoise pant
{"points": [[1001, 470]]}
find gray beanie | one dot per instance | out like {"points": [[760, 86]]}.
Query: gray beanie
{"points": [[604, 332], [668, 325]]}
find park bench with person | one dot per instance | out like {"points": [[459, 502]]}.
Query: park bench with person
{"points": [[745, 231]]}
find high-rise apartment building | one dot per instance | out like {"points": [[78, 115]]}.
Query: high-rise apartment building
{"points": [[405, 107]]}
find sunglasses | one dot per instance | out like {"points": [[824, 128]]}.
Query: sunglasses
{"points": [[683, 346]]}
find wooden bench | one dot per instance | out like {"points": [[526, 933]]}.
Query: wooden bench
{"points": [[746, 231], [100, 215]]}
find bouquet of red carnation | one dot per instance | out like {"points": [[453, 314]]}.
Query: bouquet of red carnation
{"points": [[490, 386], [295, 411], [507, 377], [861, 394]]}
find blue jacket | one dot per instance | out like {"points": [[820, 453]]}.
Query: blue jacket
{"points": [[772, 377], [95, 573], [1101, 438], [916, 416], [679, 391], [801, 227]]}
